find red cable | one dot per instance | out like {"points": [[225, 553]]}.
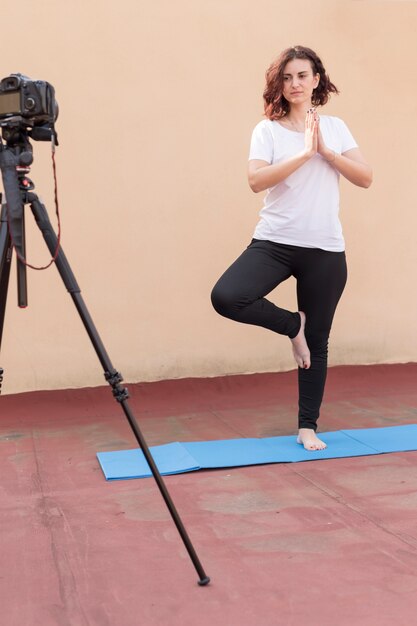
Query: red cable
{"points": [[19, 256]]}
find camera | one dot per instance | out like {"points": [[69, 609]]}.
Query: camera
{"points": [[28, 103]]}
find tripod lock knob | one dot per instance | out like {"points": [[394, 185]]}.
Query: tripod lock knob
{"points": [[25, 159]]}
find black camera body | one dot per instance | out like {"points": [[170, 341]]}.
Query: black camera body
{"points": [[26, 102]]}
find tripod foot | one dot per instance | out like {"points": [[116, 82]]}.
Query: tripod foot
{"points": [[204, 581]]}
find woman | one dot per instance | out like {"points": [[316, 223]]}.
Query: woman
{"points": [[296, 157]]}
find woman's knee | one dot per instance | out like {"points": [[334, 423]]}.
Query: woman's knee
{"points": [[221, 300], [226, 301]]}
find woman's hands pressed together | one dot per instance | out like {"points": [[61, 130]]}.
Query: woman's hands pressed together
{"points": [[313, 139], [311, 133]]}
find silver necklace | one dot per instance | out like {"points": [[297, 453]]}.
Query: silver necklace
{"points": [[294, 125]]}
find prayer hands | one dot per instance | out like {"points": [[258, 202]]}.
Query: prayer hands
{"points": [[314, 142], [311, 132]]}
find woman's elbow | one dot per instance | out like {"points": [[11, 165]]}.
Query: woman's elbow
{"points": [[367, 182], [254, 184], [363, 179]]}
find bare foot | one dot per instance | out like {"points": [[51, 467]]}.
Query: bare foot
{"points": [[300, 347], [308, 438]]}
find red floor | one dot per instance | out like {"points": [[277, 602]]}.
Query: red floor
{"points": [[331, 542]]}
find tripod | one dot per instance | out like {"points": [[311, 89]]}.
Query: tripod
{"points": [[15, 157]]}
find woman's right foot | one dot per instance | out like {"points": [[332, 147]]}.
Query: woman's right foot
{"points": [[300, 347], [309, 439]]}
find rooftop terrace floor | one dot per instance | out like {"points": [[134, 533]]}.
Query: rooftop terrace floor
{"points": [[327, 542]]}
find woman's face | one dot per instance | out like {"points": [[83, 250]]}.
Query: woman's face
{"points": [[299, 81]]}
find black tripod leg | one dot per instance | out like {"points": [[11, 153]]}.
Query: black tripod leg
{"points": [[112, 376], [22, 290], [5, 264]]}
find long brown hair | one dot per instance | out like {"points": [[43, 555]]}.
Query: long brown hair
{"points": [[275, 105]]}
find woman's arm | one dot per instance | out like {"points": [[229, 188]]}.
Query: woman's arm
{"points": [[262, 175], [352, 165]]}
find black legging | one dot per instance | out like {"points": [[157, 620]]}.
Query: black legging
{"points": [[321, 277]]}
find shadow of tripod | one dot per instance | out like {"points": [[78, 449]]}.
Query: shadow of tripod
{"points": [[15, 159]]}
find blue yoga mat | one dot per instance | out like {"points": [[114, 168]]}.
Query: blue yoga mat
{"points": [[175, 458]]}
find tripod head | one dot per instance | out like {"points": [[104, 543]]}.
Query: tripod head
{"points": [[17, 141], [15, 155]]}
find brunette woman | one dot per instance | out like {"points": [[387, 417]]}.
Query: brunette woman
{"points": [[296, 156]]}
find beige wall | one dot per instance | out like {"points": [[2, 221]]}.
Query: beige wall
{"points": [[157, 103]]}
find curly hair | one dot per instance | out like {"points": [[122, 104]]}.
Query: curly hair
{"points": [[275, 105]]}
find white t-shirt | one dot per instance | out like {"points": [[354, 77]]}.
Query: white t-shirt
{"points": [[303, 209]]}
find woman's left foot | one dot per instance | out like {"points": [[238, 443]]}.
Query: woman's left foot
{"points": [[300, 347], [308, 438]]}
